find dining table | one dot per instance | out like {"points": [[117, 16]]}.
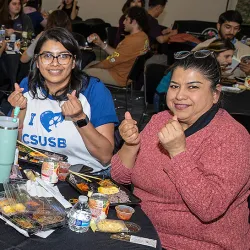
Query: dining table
{"points": [[64, 238]]}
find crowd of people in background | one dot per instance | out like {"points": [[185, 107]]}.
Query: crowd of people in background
{"points": [[188, 167]]}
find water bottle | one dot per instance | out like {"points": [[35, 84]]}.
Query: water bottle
{"points": [[2, 33], [79, 216]]}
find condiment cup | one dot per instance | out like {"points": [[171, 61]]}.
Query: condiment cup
{"points": [[124, 212]]}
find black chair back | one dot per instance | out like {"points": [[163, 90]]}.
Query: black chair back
{"points": [[94, 21], [111, 35], [81, 28], [79, 38], [138, 67], [100, 30], [153, 75]]}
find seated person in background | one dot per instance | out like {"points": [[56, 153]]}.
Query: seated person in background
{"points": [[183, 165], [57, 18], [32, 10], [70, 7], [223, 51], [121, 32], [156, 34], [156, 8], [116, 67], [228, 26], [62, 109], [18, 20]]}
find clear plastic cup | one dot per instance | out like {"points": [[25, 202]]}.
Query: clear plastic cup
{"points": [[63, 170]]}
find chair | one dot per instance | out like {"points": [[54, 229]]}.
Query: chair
{"points": [[243, 119], [81, 28], [111, 35], [133, 76], [152, 77], [94, 21], [79, 38]]}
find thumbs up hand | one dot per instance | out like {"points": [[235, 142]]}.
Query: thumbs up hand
{"points": [[172, 137], [16, 98], [129, 130]]}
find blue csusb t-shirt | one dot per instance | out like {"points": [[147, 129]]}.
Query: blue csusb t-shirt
{"points": [[46, 128]]}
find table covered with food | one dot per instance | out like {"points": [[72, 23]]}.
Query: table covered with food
{"points": [[39, 208]]}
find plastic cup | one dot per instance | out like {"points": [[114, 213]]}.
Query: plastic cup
{"points": [[8, 138], [63, 170]]}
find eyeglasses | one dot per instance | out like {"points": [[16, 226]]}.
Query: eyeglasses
{"points": [[197, 54], [62, 59]]}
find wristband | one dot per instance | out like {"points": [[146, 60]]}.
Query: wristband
{"points": [[105, 47]]}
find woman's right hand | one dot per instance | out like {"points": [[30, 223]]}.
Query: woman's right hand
{"points": [[129, 130], [16, 98]]}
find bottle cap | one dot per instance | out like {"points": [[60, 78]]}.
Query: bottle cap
{"points": [[83, 198]]}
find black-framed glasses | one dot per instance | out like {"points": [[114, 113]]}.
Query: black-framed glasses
{"points": [[47, 58], [197, 54]]}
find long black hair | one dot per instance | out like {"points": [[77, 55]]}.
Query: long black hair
{"points": [[78, 80]]}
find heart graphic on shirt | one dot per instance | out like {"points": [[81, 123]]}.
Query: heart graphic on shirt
{"points": [[49, 119]]}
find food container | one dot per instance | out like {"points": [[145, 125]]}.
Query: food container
{"points": [[111, 226], [27, 212], [124, 212], [99, 206], [49, 170], [63, 170]]}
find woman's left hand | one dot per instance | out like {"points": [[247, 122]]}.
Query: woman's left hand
{"points": [[73, 107], [172, 137]]}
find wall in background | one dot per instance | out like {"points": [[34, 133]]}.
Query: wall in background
{"points": [[110, 10]]}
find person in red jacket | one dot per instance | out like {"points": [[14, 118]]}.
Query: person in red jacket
{"points": [[190, 165]]}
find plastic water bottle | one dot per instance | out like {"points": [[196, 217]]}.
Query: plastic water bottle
{"points": [[2, 33], [80, 216]]}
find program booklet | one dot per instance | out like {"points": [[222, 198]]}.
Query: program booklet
{"points": [[245, 59], [234, 65]]}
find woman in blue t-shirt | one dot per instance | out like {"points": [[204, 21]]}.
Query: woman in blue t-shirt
{"points": [[62, 109]]}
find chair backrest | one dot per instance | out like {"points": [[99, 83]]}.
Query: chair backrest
{"points": [[94, 21], [153, 75], [242, 119], [100, 30], [79, 38], [111, 35], [193, 26], [138, 67], [81, 28]]}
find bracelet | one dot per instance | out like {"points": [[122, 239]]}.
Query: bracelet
{"points": [[105, 47]]}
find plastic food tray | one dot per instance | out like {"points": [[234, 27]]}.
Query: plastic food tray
{"points": [[93, 186], [31, 214], [25, 158]]}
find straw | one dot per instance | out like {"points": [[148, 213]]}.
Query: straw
{"points": [[16, 113]]}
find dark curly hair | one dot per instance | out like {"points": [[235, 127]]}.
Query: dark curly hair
{"points": [[78, 80], [140, 15]]}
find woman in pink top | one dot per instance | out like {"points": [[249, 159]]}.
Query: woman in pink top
{"points": [[190, 165]]}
